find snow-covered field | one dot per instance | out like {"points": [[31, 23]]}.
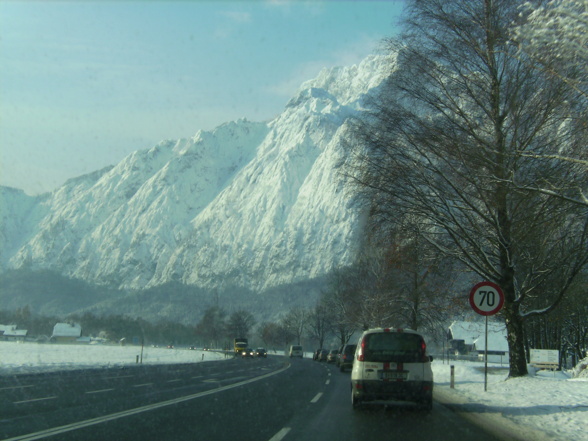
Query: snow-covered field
{"points": [[553, 403], [22, 358], [550, 402]]}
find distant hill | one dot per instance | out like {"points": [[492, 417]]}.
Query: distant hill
{"points": [[256, 212]]}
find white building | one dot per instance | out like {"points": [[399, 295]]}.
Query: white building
{"points": [[66, 333], [468, 337], [9, 332]]}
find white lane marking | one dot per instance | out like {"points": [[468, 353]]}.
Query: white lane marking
{"points": [[174, 381], [327, 382], [143, 385], [125, 413], [317, 397], [35, 399], [280, 435], [98, 391], [16, 387], [199, 376], [237, 378]]}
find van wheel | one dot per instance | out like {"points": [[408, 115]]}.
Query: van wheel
{"points": [[426, 405], [355, 402]]}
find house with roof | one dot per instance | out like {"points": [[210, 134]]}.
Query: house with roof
{"points": [[470, 337], [66, 333], [12, 333]]}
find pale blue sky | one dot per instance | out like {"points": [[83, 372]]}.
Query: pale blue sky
{"points": [[83, 84]]}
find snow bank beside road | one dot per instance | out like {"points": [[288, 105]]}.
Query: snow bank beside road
{"points": [[22, 358], [548, 402]]}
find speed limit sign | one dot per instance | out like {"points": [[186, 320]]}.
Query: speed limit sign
{"points": [[486, 298]]}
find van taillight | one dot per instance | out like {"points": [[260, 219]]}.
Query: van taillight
{"points": [[360, 356], [424, 350]]}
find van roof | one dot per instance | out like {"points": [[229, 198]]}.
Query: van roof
{"points": [[376, 330]]}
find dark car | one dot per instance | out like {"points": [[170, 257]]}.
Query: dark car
{"points": [[332, 356], [323, 354], [346, 357], [261, 352], [248, 353]]}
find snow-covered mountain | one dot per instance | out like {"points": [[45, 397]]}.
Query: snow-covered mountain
{"points": [[248, 204]]}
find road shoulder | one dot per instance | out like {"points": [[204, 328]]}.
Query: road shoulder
{"points": [[491, 420]]}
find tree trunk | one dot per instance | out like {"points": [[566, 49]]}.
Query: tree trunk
{"points": [[516, 340]]}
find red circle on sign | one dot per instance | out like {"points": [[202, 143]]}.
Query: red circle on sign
{"points": [[486, 298]]}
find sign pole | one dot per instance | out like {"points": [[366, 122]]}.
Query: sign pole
{"points": [[486, 358], [486, 298]]}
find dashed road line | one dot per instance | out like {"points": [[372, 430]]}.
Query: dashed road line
{"points": [[80, 424], [99, 391], [35, 399], [317, 397], [143, 385], [17, 387], [280, 435]]}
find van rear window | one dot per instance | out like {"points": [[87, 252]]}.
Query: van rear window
{"points": [[393, 347]]}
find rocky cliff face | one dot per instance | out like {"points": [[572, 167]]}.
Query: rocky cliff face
{"points": [[248, 204]]}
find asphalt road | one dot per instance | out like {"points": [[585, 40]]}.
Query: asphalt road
{"points": [[269, 399]]}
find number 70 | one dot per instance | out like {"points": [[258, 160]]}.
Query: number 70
{"points": [[487, 296]]}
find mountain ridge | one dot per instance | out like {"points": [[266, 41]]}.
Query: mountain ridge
{"points": [[255, 205]]}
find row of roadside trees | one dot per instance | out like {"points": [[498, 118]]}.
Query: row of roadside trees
{"points": [[474, 156]]}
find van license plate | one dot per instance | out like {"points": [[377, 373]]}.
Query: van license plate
{"points": [[392, 375]]}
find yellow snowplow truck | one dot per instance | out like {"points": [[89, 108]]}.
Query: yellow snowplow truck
{"points": [[240, 345]]}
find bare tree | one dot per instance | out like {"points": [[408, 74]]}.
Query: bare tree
{"points": [[275, 334], [565, 329], [400, 279], [449, 144], [552, 34], [423, 280], [295, 323], [342, 300], [239, 324], [212, 326], [319, 323], [552, 37]]}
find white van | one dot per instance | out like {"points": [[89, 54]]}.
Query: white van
{"points": [[392, 365], [296, 351]]}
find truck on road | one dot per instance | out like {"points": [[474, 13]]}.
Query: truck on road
{"points": [[240, 345]]}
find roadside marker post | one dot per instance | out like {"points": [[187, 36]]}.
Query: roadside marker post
{"points": [[486, 298]]}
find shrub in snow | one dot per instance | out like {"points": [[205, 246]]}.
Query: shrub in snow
{"points": [[581, 369]]}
